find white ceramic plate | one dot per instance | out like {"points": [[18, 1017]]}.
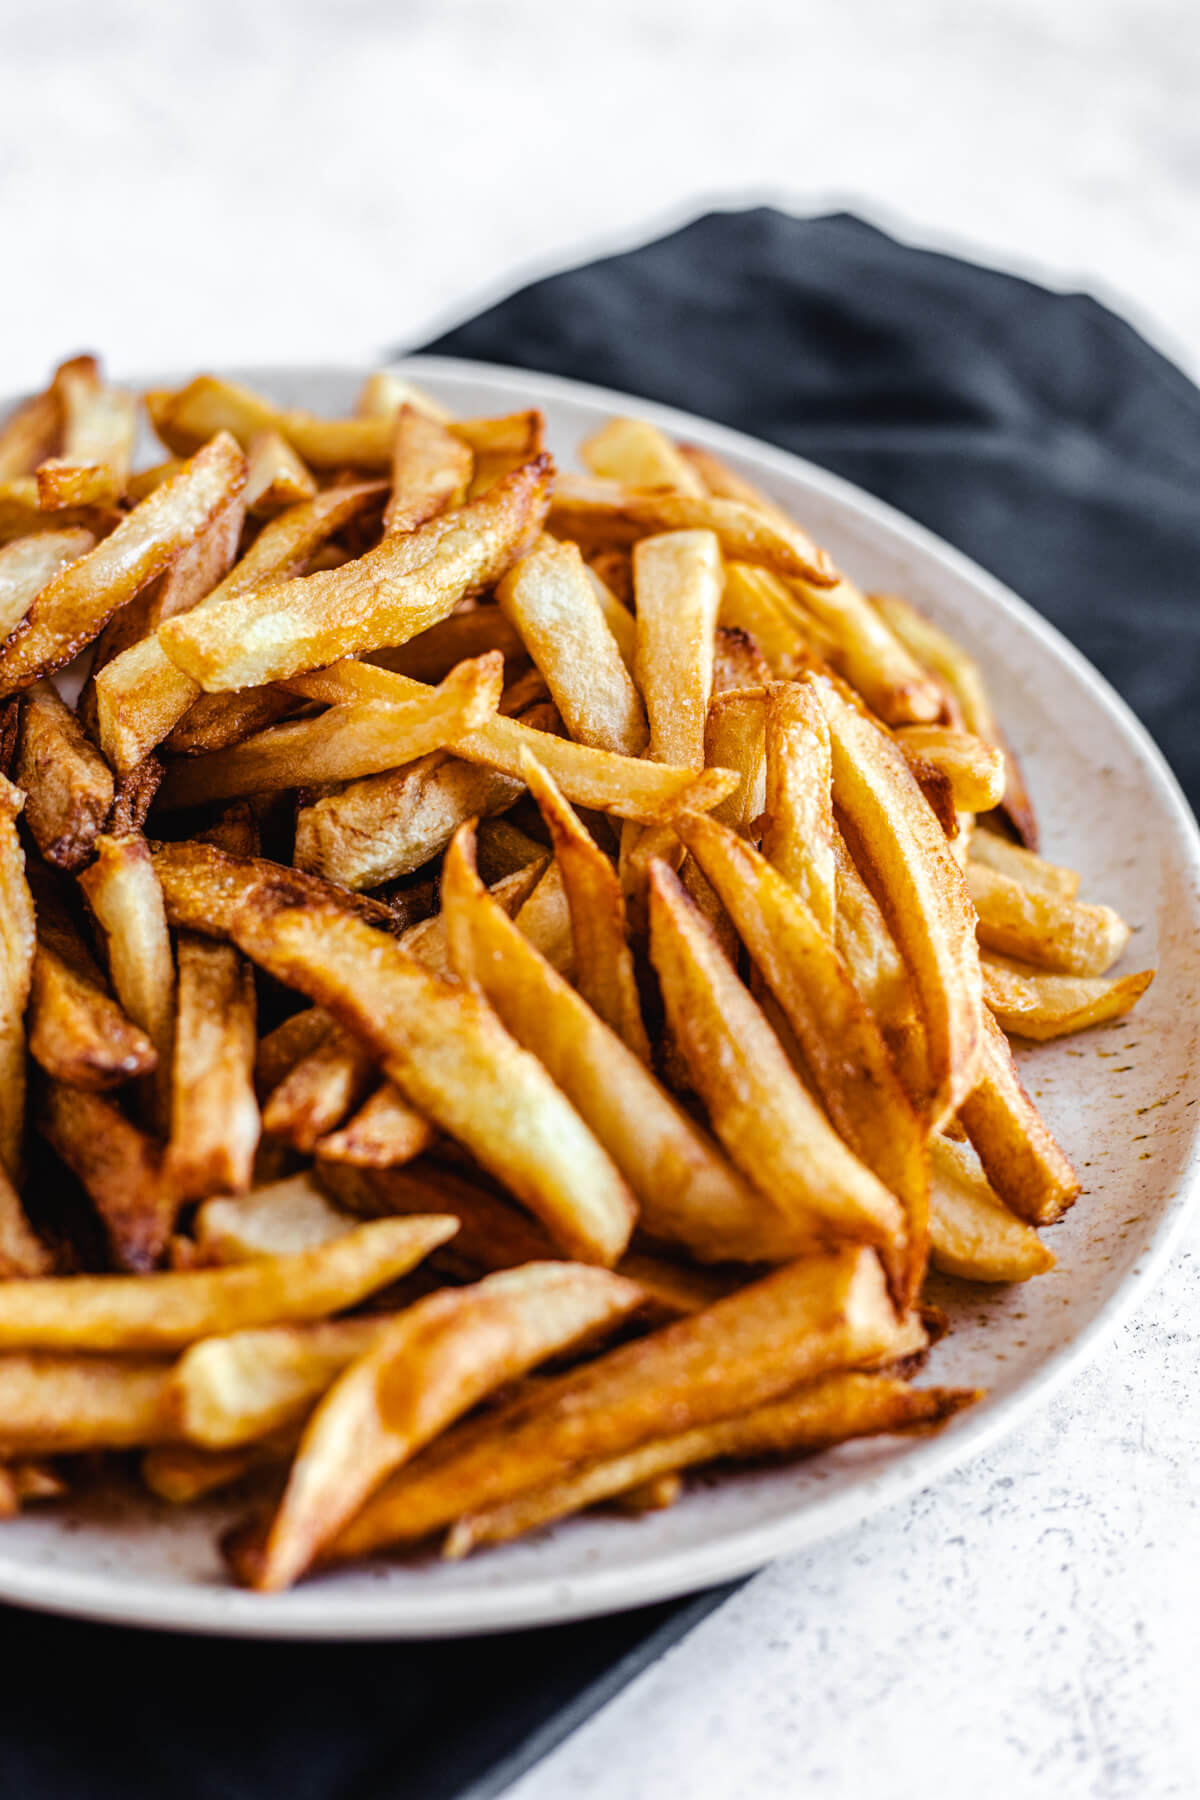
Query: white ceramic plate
{"points": [[1122, 1099]]}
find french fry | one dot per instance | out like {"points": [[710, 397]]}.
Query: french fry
{"points": [[766, 1119], [68, 785], [638, 454], [973, 1235], [345, 743], [277, 477], [30, 564], [17, 940], [548, 597], [123, 892], [77, 1032], [806, 1320], [99, 428], [431, 470], [1024, 866], [120, 1167], [832, 1411], [594, 511], [687, 1193], [167, 1311], [842, 1045], [141, 696], [799, 833], [1066, 935], [52, 1405], [22, 1252], [319, 1090], [677, 578], [385, 597], [431, 1365], [76, 604], [275, 1220], [735, 737], [384, 1132], [923, 894], [1020, 1158], [449, 1054], [215, 1121], [975, 770], [604, 971], [385, 392], [1029, 1003]]}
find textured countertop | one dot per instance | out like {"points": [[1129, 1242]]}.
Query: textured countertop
{"points": [[233, 183]]}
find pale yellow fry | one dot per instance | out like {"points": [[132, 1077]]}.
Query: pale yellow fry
{"points": [[215, 1121], [1023, 866], [1042, 928], [30, 563], [973, 1234], [677, 579], [799, 833], [638, 454], [1029, 1003], [17, 945], [551, 601], [57, 1404], [163, 1312], [123, 892]]}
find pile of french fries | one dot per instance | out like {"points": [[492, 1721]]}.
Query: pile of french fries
{"points": [[507, 975]]}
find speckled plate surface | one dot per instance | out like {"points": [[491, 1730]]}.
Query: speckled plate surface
{"points": [[1123, 1099]]}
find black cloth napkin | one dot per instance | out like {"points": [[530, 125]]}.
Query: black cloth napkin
{"points": [[1035, 431]]}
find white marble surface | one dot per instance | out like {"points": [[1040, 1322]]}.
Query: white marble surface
{"points": [[227, 182]]}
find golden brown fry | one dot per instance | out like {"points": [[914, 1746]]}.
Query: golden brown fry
{"points": [[922, 892], [801, 1322], [1023, 866], [431, 470], [215, 1121], [842, 1045], [22, 1252], [972, 1233], [638, 454], [552, 603], [345, 743], [687, 1193], [99, 428], [53, 1405], [319, 1090], [767, 1121], [736, 738], [835, 1410], [974, 769], [1020, 1157], [385, 597], [799, 834], [16, 975], [275, 1220], [121, 1168], [141, 695], [166, 1311], [594, 511], [1029, 1003], [604, 971], [75, 605], [678, 582], [30, 564], [123, 892], [77, 1032], [68, 785], [385, 1132], [449, 1054], [1042, 928], [431, 1365], [277, 477]]}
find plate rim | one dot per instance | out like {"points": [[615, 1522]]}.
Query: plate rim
{"points": [[315, 1612]]}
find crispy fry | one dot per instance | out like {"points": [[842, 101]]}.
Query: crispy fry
{"points": [[1035, 1005], [800, 1323], [77, 1032], [594, 511], [765, 1118], [974, 769], [121, 1168], [16, 975], [638, 454], [1042, 928], [686, 1192], [1020, 1158], [385, 1132], [141, 695], [75, 605], [30, 564], [68, 785], [99, 428], [1023, 866], [678, 582], [215, 1121], [319, 1090], [831, 1411], [922, 892], [431, 470], [972, 1233], [449, 1054], [385, 597], [345, 743], [164, 1312], [275, 1220], [54, 1404], [277, 477], [124, 894], [430, 1366]]}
